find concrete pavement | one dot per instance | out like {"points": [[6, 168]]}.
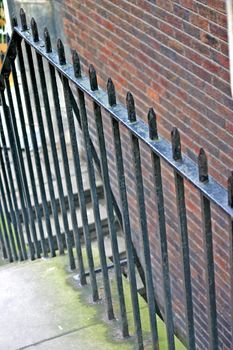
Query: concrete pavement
{"points": [[43, 307], [40, 309]]}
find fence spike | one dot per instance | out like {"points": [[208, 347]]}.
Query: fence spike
{"points": [[203, 166], [14, 21], [76, 64], [61, 52], [130, 107], [48, 46], [176, 145], [23, 19], [93, 78], [34, 28], [153, 133], [230, 190], [111, 92]]}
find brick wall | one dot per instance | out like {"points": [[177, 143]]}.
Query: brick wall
{"points": [[172, 55]]}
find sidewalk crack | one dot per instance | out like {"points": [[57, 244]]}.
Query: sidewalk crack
{"points": [[56, 336]]}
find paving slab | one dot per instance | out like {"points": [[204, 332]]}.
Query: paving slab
{"points": [[40, 309], [44, 308]]}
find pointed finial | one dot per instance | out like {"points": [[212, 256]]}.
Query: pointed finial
{"points": [[76, 64], [23, 19], [230, 190], [48, 46], [153, 133], [130, 107], [93, 78], [176, 145], [34, 28], [111, 92], [203, 166], [61, 52], [14, 21]]}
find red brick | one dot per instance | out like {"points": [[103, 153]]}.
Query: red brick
{"points": [[173, 55]]}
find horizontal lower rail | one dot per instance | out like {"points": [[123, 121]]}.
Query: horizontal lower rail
{"points": [[109, 267]]}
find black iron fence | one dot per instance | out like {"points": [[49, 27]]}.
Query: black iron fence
{"points": [[23, 209]]}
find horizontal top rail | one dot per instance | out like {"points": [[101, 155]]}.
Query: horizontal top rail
{"points": [[188, 169]]}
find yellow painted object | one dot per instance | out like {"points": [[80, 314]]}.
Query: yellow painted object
{"points": [[2, 16], [3, 43], [3, 48]]}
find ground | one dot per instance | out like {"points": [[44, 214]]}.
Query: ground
{"points": [[43, 307]]}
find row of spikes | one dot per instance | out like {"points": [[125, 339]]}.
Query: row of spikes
{"points": [[153, 133]]}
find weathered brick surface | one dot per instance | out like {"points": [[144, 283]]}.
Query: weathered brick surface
{"points": [[172, 55]]}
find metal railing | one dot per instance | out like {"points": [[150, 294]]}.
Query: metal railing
{"points": [[18, 213]]}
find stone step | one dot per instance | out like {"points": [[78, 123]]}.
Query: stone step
{"points": [[91, 222], [87, 194], [84, 170]]}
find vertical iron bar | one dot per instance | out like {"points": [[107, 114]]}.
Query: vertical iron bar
{"points": [[11, 212], [209, 257], [115, 205], [2, 242], [46, 160], [12, 190], [110, 213], [157, 177], [82, 200], [28, 156], [8, 222], [54, 150], [143, 225], [16, 165], [95, 201], [34, 139], [73, 141], [11, 57], [14, 213], [180, 195], [76, 233], [127, 232], [22, 165], [5, 232], [64, 155], [183, 227], [54, 154], [95, 157], [208, 245], [11, 225], [12, 217]]}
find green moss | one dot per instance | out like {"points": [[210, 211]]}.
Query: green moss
{"points": [[144, 318], [8, 232], [73, 308], [143, 308]]}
